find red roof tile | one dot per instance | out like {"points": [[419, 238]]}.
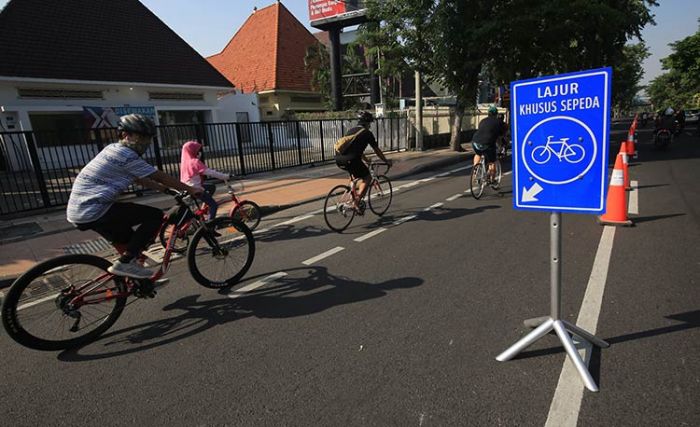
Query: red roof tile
{"points": [[267, 53]]}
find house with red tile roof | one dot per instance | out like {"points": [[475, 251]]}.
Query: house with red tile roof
{"points": [[266, 56]]}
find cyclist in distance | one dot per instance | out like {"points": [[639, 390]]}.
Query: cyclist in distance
{"points": [[93, 201], [484, 140], [351, 160]]}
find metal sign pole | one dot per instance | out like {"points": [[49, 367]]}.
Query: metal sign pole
{"points": [[562, 328]]}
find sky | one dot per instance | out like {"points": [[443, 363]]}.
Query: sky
{"points": [[208, 25]]}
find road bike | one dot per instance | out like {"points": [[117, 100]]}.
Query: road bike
{"points": [[479, 178], [572, 153], [70, 300], [339, 208], [245, 211]]}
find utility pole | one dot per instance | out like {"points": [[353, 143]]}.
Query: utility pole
{"points": [[419, 114]]}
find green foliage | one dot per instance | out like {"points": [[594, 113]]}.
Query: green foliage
{"points": [[628, 74], [680, 85], [318, 61]]}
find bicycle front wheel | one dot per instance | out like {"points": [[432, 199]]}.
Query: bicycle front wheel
{"points": [[63, 303], [338, 210], [477, 180], [221, 253], [248, 213], [380, 194]]}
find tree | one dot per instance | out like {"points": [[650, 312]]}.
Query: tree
{"points": [[628, 74], [318, 61], [680, 85], [453, 41]]}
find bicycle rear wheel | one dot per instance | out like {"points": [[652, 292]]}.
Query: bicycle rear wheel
{"points": [[221, 253], [338, 210], [477, 180], [182, 239], [63, 303], [248, 213], [380, 194]]}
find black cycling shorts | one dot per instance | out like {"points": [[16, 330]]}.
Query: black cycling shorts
{"points": [[355, 166], [489, 152]]}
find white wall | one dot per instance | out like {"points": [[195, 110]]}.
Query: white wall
{"points": [[233, 103]]}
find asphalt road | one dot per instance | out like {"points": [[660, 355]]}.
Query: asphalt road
{"points": [[402, 327]]}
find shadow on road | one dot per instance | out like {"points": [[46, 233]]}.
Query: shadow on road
{"points": [[641, 219], [286, 297], [288, 232]]}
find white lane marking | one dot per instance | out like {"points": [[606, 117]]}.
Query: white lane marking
{"points": [[37, 302], [295, 219], [467, 191], [242, 291], [566, 403], [323, 255], [410, 184], [317, 211], [461, 169], [370, 234], [261, 231], [453, 198], [634, 198], [404, 219], [440, 175], [426, 179], [431, 207]]}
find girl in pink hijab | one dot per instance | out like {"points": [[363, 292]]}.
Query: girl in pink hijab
{"points": [[193, 170]]}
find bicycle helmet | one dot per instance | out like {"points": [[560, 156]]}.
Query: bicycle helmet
{"points": [[365, 117], [136, 123], [493, 110]]}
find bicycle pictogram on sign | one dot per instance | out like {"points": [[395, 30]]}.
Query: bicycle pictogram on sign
{"points": [[572, 153]]}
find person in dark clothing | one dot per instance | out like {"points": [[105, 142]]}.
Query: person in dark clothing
{"points": [[484, 140], [351, 159]]}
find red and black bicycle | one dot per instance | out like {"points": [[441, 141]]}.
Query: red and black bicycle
{"points": [[71, 300]]}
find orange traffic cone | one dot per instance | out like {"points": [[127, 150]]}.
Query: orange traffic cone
{"points": [[616, 210], [631, 149], [625, 165]]}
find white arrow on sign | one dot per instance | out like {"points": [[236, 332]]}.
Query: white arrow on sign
{"points": [[529, 195]]}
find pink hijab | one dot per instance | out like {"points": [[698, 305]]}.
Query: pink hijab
{"points": [[190, 165]]}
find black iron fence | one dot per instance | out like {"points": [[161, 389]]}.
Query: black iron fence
{"points": [[37, 168]]}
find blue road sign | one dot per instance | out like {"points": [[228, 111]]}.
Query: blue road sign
{"points": [[560, 127]]}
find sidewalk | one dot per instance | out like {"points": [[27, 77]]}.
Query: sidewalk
{"points": [[35, 238]]}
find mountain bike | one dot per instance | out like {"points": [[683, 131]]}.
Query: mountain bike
{"points": [[69, 301], [479, 178], [245, 211], [339, 208]]}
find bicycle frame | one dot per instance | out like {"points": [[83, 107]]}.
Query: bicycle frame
{"points": [[112, 293], [564, 145], [372, 182]]}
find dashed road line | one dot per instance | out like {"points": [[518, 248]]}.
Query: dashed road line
{"points": [[634, 198], [245, 289], [440, 175], [323, 255], [404, 219], [261, 231], [566, 402], [370, 234], [434, 206], [453, 198], [293, 220]]}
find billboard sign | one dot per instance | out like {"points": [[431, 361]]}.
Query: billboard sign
{"points": [[324, 9]]}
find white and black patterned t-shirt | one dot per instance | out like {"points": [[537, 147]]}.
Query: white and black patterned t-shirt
{"points": [[102, 180]]}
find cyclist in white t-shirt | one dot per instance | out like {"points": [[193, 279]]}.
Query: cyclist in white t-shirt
{"points": [[93, 201]]}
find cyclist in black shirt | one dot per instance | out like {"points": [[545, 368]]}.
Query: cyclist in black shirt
{"points": [[484, 140], [351, 159]]}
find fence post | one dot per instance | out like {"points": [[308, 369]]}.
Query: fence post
{"points": [[98, 138], [239, 140], [323, 147], [199, 133], [34, 155], [272, 142], [301, 162], [156, 153], [391, 133]]}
